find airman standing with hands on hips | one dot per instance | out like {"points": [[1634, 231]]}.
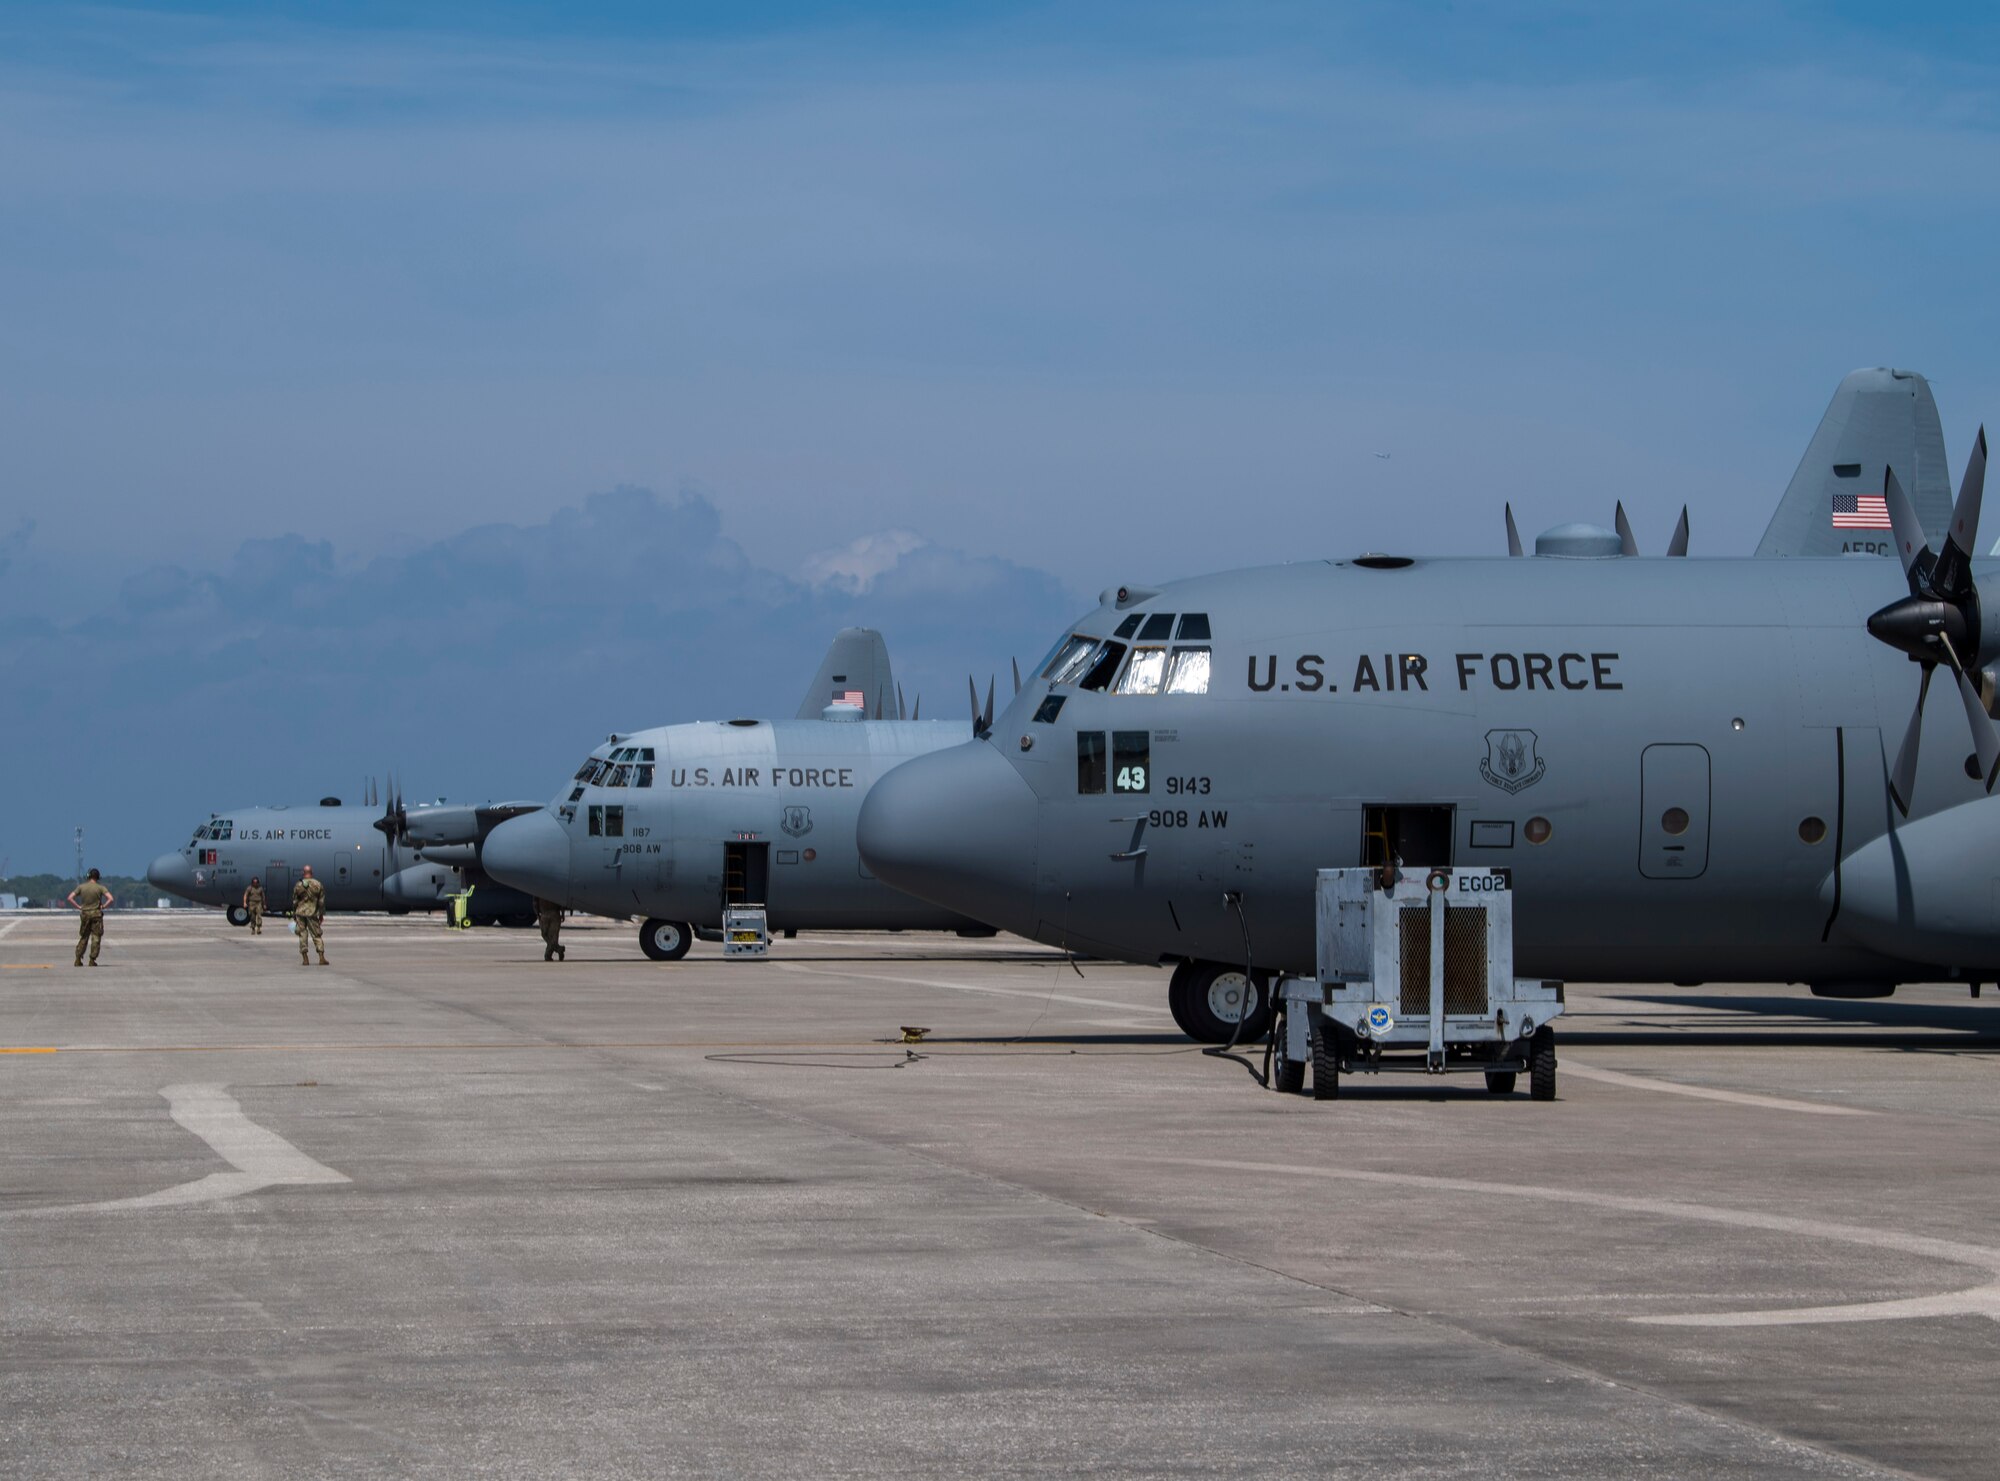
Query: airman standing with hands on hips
{"points": [[253, 905], [308, 905], [90, 898]]}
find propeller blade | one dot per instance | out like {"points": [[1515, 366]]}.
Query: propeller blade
{"points": [[1679, 544], [1985, 739], [1904, 778], [1017, 673], [1628, 542], [1952, 576], [987, 717], [972, 691], [1910, 543], [917, 708], [899, 700], [1513, 534]]}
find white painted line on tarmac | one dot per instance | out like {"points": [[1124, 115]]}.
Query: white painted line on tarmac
{"points": [[8, 929], [1980, 1300], [262, 1158], [1005, 992], [1704, 1092]]}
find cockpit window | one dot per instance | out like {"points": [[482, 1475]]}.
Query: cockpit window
{"points": [[1069, 660], [1130, 625], [621, 776], [1142, 675], [1049, 708], [1187, 671], [583, 772], [645, 772], [1159, 627], [1194, 627], [1103, 667]]}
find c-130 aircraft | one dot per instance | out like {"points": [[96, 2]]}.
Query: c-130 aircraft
{"points": [[673, 823], [1694, 769], [397, 858]]}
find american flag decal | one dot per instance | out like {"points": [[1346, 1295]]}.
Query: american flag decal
{"points": [[1860, 512]]}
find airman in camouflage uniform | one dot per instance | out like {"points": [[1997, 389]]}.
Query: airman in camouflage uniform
{"points": [[89, 898], [308, 905], [548, 916], [253, 905]]}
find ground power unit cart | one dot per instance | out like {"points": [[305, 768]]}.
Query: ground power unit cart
{"points": [[1416, 974]]}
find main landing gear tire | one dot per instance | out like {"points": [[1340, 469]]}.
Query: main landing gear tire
{"points": [[1206, 998], [665, 940], [1326, 1064], [1542, 1064], [1288, 1076], [238, 916]]}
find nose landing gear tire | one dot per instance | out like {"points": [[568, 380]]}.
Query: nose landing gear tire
{"points": [[1206, 999], [238, 916], [665, 940]]}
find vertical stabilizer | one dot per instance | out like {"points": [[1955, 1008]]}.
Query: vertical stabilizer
{"points": [[1879, 419], [856, 671]]}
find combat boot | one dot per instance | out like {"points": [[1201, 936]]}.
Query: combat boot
{"points": [[322, 960], [562, 953]]}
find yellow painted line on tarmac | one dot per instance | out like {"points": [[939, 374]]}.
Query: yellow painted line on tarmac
{"points": [[26, 1049], [27, 966]]}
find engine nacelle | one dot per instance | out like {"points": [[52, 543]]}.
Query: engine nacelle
{"points": [[1927, 891]]}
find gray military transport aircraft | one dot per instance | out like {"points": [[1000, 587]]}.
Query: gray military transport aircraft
{"points": [[398, 858], [1694, 769], [674, 823]]}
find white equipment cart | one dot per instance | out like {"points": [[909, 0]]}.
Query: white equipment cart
{"points": [[1416, 974], [744, 931]]}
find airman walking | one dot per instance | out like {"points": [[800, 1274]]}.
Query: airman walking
{"points": [[90, 899], [253, 905], [549, 916], [308, 905]]}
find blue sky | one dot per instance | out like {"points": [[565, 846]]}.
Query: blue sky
{"points": [[1056, 296]]}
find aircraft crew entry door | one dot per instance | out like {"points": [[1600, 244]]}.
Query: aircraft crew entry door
{"points": [[746, 874], [1673, 811]]}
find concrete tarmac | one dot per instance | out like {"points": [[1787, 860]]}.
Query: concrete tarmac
{"points": [[442, 1209]]}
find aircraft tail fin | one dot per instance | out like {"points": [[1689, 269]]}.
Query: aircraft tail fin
{"points": [[856, 671], [1878, 419]]}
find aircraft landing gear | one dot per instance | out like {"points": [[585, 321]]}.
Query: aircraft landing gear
{"points": [[665, 940], [237, 915], [1206, 999]]}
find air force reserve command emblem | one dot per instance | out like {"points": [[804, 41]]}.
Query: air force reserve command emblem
{"points": [[798, 821], [1511, 763]]}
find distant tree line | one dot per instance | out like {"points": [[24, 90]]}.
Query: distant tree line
{"points": [[53, 889]]}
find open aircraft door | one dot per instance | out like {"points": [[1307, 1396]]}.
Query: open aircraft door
{"points": [[1673, 811]]}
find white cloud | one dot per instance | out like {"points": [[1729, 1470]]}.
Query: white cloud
{"points": [[856, 566]]}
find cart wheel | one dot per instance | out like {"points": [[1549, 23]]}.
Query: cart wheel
{"points": [[1542, 1064], [1288, 1076], [1326, 1066], [238, 916], [1500, 1082]]}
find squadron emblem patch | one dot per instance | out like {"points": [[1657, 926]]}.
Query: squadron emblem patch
{"points": [[798, 821], [1511, 763]]}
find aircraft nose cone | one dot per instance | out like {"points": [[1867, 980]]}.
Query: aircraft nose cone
{"points": [[170, 872], [531, 853], [956, 828]]}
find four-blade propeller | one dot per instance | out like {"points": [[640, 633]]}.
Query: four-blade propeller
{"points": [[1939, 621]]}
